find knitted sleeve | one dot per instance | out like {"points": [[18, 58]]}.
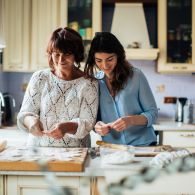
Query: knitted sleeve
{"points": [[88, 111], [31, 102]]}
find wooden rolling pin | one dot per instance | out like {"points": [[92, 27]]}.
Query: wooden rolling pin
{"points": [[125, 147], [154, 149], [113, 146]]}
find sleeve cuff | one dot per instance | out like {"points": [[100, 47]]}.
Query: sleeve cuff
{"points": [[82, 130], [150, 118], [20, 120]]}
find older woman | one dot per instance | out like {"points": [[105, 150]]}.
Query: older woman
{"points": [[60, 104]]}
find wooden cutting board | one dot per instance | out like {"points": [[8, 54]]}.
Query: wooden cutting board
{"points": [[10, 162]]}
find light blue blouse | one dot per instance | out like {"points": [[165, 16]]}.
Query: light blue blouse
{"points": [[135, 99]]}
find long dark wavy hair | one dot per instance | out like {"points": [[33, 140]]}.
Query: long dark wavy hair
{"points": [[106, 42], [67, 41]]}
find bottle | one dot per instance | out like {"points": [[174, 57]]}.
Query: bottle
{"points": [[188, 112], [179, 114]]}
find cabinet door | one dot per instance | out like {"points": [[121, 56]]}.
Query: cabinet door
{"points": [[179, 138], [1, 184], [17, 32], [176, 36], [60, 13], [84, 16], [31, 185], [29, 24], [45, 19]]}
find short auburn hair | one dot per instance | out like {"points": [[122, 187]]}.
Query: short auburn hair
{"points": [[67, 41]]}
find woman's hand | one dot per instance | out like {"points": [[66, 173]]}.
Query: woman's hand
{"points": [[34, 125], [57, 132], [102, 128], [121, 123], [60, 129], [37, 128]]}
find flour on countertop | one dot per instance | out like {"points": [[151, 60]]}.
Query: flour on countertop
{"points": [[119, 157]]}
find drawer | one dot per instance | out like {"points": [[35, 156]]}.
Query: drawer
{"points": [[179, 138]]}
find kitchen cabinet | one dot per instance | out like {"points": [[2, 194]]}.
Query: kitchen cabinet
{"points": [[43, 23], [176, 134], [176, 184], [17, 35], [64, 13], [88, 21], [101, 11], [28, 27], [176, 36], [30, 185], [1, 184], [180, 138], [150, 12]]}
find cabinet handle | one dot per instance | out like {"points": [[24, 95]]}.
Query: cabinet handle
{"points": [[187, 135]]}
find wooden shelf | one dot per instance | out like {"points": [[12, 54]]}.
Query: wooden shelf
{"points": [[142, 54]]}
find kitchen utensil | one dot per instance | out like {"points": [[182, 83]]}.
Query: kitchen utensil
{"points": [[113, 146], [179, 109], [140, 151], [188, 112], [8, 109]]}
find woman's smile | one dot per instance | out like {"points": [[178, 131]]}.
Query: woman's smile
{"points": [[106, 61]]}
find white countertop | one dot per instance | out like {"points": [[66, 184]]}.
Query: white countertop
{"points": [[93, 167], [169, 125], [13, 136], [112, 173]]}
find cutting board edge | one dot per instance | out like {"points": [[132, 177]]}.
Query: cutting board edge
{"points": [[54, 166]]}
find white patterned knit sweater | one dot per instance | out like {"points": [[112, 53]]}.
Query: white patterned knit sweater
{"points": [[54, 101]]}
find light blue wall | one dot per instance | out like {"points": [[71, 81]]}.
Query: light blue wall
{"points": [[175, 85], [12, 83], [3, 82]]}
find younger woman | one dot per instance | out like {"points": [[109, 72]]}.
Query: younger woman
{"points": [[127, 106]]}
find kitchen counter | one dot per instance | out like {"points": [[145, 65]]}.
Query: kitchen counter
{"points": [[176, 134], [170, 125], [88, 182], [13, 135], [94, 178], [93, 167]]}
